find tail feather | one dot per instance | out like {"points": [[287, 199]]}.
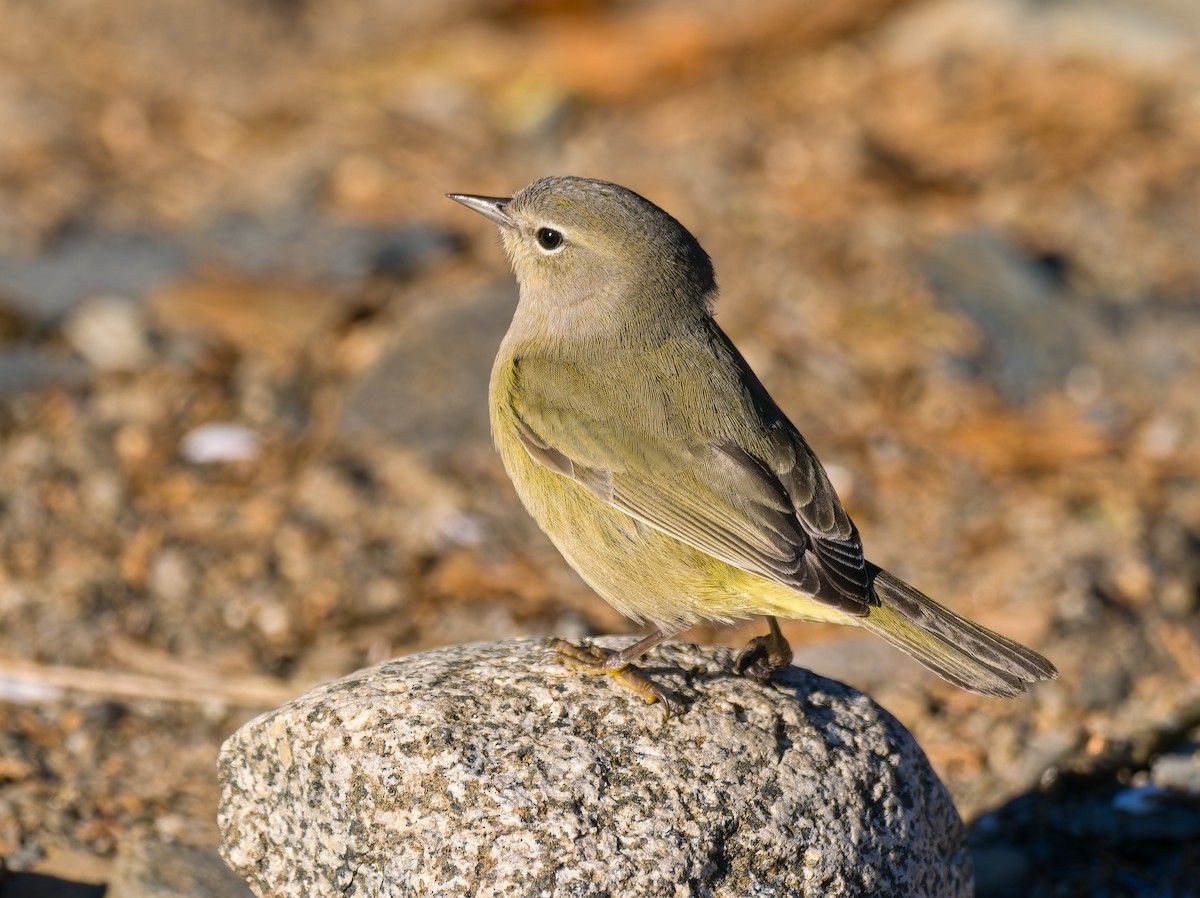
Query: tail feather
{"points": [[956, 649]]}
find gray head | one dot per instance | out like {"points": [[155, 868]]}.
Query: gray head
{"points": [[577, 242]]}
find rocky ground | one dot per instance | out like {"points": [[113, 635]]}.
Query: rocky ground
{"points": [[245, 345]]}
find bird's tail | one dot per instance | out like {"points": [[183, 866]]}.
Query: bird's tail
{"points": [[953, 647]]}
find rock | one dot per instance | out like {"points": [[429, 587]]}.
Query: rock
{"points": [[110, 332], [84, 264], [487, 769], [430, 399], [1031, 336], [297, 243], [1150, 33], [1112, 830], [134, 264], [271, 320], [220, 443], [24, 369], [1000, 872], [1178, 770], [160, 869], [855, 658], [1037, 336]]}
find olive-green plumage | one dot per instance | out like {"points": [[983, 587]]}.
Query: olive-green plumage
{"points": [[647, 450]]}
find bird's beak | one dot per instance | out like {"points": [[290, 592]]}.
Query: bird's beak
{"points": [[493, 207]]}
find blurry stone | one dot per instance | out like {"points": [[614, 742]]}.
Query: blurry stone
{"points": [[402, 252], [586, 54], [220, 444], [171, 575], [1151, 348], [13, 325], [110, 333], [83, 265], [430, 390], [860, 659], [302, 247], [271, 319], [1178, 770], [486, 769], [1149, 32], [1091, 834], [77, 865], [1000, 873], [1161, 437], [156, 869], [1031, 337], [1109, 678], [1038, 752], [23, 370], [1141, 800], [1153, 813]]}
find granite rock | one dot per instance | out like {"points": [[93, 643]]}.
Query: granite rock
{"points": [[487, 769]]}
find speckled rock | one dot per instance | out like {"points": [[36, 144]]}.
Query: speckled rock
{"points": [[487, 770]]}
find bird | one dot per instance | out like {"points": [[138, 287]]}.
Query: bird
{"points": [[648, 451]]}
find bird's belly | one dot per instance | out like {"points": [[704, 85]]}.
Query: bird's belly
{"points": [[642, 572]]}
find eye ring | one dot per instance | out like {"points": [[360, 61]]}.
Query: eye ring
{"points": [[549, 239]]}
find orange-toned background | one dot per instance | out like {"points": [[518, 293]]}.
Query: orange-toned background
{"points": [[959, 241]]}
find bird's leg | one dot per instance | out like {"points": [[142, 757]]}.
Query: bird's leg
{"points": [[593, 659], [763, 655]]}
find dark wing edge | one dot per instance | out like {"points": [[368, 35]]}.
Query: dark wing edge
{"points": [[831, 535], [835, 547]]}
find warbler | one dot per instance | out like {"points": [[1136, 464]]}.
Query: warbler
{"points": [[646, 448]]}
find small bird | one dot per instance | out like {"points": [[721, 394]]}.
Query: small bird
{"points": [[646, 448]]}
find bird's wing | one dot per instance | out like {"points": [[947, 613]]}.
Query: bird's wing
{"points": [[761, 502]]}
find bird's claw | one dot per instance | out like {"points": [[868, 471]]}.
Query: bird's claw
{"points": [[592, 659], [762, 656]]}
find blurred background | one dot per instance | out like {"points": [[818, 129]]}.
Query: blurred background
{"points": [[245, 342]]}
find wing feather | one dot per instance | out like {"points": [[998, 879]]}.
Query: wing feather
{"points": [[760, 502]]}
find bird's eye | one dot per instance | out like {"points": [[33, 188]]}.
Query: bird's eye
{"points": [[549, 239]]}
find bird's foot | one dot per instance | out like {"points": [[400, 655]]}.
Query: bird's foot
{"points": [[763, 655], [593, 659]]}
